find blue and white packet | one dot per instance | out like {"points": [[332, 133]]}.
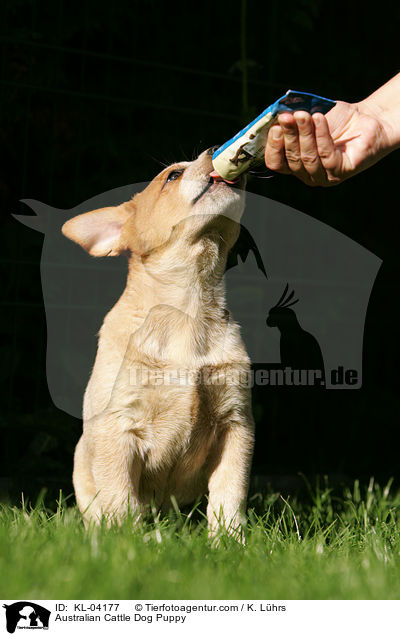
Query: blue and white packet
{"points": [[247, 147]]}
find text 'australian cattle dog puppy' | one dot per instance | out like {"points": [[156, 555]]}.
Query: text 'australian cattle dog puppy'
{"points": [[166, 412]]}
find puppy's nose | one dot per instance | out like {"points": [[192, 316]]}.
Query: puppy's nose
{"points": [[211, 150]]}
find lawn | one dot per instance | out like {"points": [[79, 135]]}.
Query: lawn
{"points": [[330, 545]]}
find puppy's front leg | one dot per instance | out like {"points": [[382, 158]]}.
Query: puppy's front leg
{"points": [[229, 478], [117, 466]]}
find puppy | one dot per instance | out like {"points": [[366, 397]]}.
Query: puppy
{"points": [[167, 410]]}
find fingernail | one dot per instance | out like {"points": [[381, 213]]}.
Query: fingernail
{"points": [[301, 120], [276, 132]]}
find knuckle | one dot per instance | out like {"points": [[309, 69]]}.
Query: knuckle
{"points": [[309, 159], [293, 157], [273, 163], [291, 139], [275, 144], [277, 167], [308, 136], [325, 154]]}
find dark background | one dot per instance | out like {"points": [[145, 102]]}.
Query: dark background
{"points": [[93, 95]]}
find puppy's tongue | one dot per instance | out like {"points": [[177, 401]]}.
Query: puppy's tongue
{"points": [[217, 177]]}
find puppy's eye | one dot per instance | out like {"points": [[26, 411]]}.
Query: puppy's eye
{"points": [[175, 174]]}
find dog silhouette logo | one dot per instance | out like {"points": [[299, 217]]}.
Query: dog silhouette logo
{"points": [[26, 615], [333, 277]]}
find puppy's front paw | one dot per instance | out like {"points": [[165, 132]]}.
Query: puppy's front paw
{"points": [[232, 528]]}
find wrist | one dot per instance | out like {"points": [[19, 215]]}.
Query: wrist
{"points": [[387, 117]]}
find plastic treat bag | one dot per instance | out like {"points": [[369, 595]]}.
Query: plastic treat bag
{"points": [[247, 147]]}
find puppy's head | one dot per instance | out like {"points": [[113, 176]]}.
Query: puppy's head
{"points": [[186, 201]]}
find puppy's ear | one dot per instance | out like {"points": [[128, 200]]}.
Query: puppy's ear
{"points": [[99, 232]]}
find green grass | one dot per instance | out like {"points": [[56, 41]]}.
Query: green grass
{"points": [[331, 546]]}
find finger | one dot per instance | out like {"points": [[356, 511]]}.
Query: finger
{"points": [[308, 148], [292, 143], [329, 155], [275, 150]]}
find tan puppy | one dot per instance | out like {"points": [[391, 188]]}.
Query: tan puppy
{"points": [[167, 411]]}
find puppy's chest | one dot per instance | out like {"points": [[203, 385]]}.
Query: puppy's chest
{"points": [[178, 414]]}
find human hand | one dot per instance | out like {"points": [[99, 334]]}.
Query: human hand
{"points": [[324, 150]]}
